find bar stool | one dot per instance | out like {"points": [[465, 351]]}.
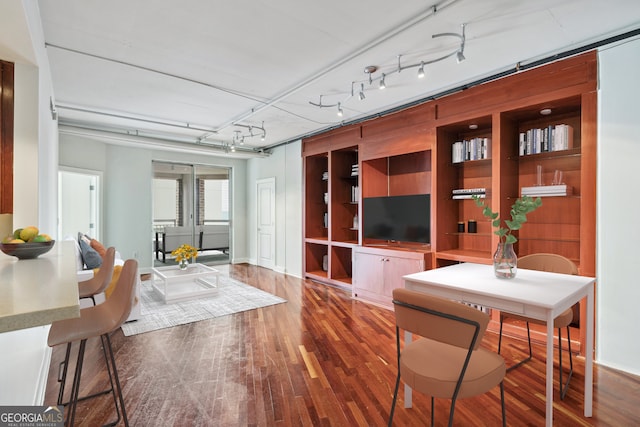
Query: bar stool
{"points": [[89, 289], [99, 320], [99, 282]]}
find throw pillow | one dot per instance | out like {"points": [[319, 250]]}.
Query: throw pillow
{"points": [[91, 258], [98, 247]]}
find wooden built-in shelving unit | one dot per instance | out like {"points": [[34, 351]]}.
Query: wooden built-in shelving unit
{"points": [[410, 152]]}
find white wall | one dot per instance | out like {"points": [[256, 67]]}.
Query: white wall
{"points": [[24, 366], [285, 165], [618, 289], [127, 190]]}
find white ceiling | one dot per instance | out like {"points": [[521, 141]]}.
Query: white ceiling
{"points": [[205, 66]]}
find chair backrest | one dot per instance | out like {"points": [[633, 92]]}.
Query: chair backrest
{"points": [[105, 272], [214, 236], [173, 237], [439, 319], [102, 278], [548, 262], [118, 306]]}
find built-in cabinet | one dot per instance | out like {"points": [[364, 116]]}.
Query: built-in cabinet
{"points": [[413, 151], [331, 197], [378, 271]]}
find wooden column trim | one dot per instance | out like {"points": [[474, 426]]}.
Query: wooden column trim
{"points": [[6, 136]]}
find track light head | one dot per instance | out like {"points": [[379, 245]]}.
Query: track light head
{"points": [[361, 94], [383, 85]]}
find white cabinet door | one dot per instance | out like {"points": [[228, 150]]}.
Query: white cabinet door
{"points": [[394, 269], [368, 275], [377, 272]]}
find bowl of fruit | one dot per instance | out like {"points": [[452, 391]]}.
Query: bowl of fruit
{"points": [[26, 243]]}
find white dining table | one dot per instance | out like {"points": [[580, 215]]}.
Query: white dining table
{"points": [[536, 294]]}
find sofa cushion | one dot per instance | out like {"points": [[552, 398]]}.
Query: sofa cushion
{"points": [[90, 256]]}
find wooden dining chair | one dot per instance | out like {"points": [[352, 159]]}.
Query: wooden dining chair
{"points": [[447, 361], [556, 264]]}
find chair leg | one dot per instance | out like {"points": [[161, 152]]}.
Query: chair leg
{"points": [[75, 388], [113, 388], [117, 381], [433, 411], [528, 340], [564, 387], [64, 365], [395, 398], [504, 417], [451, 411]]}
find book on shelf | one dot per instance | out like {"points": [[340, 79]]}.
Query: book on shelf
{"points": [[468, 196], [471, 149], [354, 170], [325, 176], [547, 139], [355, 194], [547, 190], [468, 193]]}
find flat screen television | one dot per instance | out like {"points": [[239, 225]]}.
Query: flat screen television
{"points": [[397, 218]]}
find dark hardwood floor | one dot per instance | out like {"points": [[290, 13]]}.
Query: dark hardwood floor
{"points": [[321, 359]]}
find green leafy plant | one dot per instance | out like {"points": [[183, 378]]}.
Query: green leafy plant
{"points": [[519, 211]]}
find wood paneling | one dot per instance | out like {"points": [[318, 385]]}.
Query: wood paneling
{"points": [[6, 136], [320, 359]]}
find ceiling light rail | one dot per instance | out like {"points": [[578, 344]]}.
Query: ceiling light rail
{"points": [[252, 130], [382, 80]]}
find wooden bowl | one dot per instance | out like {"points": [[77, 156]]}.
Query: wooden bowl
{"points": [[27, 250]]}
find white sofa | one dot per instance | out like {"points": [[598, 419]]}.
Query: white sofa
{"points": [[208, 237], [214, 237]]}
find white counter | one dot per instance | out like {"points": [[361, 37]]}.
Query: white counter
{"points": [[35, 292]]}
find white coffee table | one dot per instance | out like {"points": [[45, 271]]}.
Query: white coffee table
{"points": [[196, 281]]}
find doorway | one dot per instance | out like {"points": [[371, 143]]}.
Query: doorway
{"points": [[79, 203], [191, 205]]}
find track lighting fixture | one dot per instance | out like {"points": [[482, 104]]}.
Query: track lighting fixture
{"points": [[259, 131], [369, 70]]}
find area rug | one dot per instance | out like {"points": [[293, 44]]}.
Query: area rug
{"points": [[231, 297]]}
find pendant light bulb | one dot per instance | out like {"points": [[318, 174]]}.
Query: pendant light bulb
{"points": [[339, 110], [421, 71], [382, 83]]}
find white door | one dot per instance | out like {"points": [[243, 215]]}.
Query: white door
{"points": [[79, 203], [266, 193]]}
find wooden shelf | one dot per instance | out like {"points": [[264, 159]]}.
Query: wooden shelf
{"points": [[464, 255]]}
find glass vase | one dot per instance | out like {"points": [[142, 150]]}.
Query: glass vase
{"points": [[505, 261], [183, 264]]}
